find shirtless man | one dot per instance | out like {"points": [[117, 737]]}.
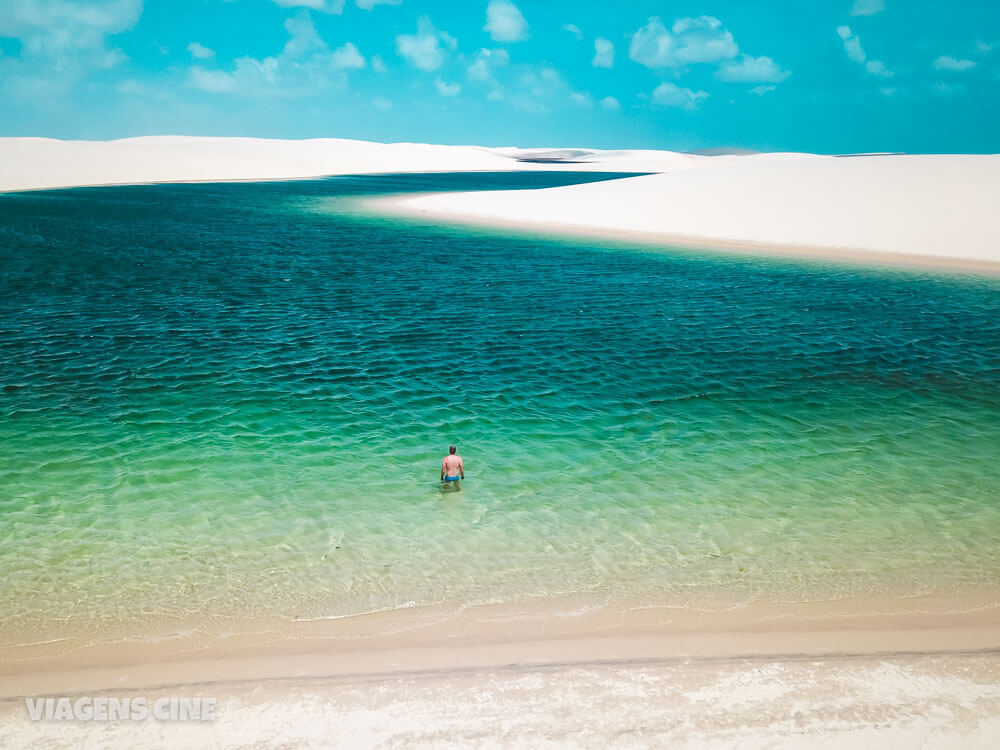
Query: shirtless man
{"points": [[451, 467]]}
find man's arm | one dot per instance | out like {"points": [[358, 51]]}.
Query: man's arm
{"points": [[442, 469], [461, 469]]}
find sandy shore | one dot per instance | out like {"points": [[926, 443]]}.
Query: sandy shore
{"points": [[893, 674], [923, 210], [902, 700], [39, 163], [408, 206]]}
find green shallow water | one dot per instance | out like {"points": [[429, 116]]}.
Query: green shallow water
{"points": [[232, 400]]}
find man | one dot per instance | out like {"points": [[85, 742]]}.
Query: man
{"points": [[451, 467]]}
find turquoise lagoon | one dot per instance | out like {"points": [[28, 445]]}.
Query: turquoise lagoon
{"points": [[231, 400]]}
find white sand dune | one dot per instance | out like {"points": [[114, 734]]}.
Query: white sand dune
{"points": [[930, 206], [939, 208], [38, 163]]}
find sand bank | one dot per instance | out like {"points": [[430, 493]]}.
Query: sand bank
{"points": [[38, 163], [472, 636], [905, 701], [837, 673], [938, 209]]}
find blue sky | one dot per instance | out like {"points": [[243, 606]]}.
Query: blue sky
{"points": [[829, 76]]}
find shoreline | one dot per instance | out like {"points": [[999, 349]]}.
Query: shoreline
{"points": [[402, 206], [881, 680], [921, 211], [291, 178], [406, 206], [29, 164], [547, 633]]}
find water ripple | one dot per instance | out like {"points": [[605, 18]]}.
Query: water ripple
{"points": [[200, 417]]}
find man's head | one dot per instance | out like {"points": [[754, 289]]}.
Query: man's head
{"points": [[451, 450]]}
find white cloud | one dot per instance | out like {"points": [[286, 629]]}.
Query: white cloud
{"points": [[610, 103], [62, 42], [447, 89], [200, 51], [504, 21], [877, 68], [486, 63], [347, 57], [852, 44], [132, 87], [369, 4], [670, 95], [534, 89], [761, 90], [381, 104], [423, 49], [303, 37], [305, 65], [378, 64], [573, 29], [984, 48], [888, 91], [949, 63], [867, 7], [541, 80], [215, 81], [327, 6], [604, 53], [58, 23], [948, 89], [690, 40], [698, 40], [750, 69], [856, 53], [68, 31]]}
